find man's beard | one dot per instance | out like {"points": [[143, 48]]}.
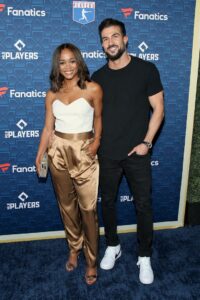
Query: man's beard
{"points": [[117, 55]]}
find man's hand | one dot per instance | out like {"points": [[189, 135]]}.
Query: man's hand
{"points": [[140, 149]]}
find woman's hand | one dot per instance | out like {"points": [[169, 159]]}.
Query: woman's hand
{"points": [[37, 163], [93, 147]]}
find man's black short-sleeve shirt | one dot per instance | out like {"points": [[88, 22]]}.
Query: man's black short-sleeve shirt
{"points": [[126, 106]]}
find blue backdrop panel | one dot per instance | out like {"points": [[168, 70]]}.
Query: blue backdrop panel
{"points": [[159, 31]]}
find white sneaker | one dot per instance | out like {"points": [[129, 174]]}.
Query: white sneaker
{"points": [[146, 273], [110, 256]]}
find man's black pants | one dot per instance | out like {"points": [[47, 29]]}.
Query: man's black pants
{"points": [[137, 170]]}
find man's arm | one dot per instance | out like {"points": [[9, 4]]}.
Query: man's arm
{"points": [[157, 104]]}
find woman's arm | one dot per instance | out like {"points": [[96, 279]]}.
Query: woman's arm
{"points": [[97, 104], [47, 130]]}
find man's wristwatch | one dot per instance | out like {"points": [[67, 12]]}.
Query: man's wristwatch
{"points": [[148, 144]]}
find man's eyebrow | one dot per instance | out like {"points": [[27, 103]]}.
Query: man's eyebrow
{"points": [[116, 33]]}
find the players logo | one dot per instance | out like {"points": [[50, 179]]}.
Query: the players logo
{"points": [[19, 45], [83, 12], [143, 47], [21, 124], [23, 196], [20, 54], [23, 203]]}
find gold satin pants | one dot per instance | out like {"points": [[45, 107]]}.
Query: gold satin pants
{"points": [[75, 176]]}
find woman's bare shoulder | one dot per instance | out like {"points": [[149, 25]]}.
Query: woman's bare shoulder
{"points": [[50, 96], [93, 86]]}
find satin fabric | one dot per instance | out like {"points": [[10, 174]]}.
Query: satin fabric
{"points": [[75, 175]]}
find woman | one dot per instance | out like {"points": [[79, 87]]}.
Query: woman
{"points": [[72, 134]]}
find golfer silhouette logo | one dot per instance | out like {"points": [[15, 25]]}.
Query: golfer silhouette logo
{"points": [[83, 12]]}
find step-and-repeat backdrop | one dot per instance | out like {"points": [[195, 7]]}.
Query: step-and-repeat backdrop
{"points": [[159, 31]]}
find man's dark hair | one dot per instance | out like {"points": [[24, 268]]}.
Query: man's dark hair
{"points": [[112, 22]]}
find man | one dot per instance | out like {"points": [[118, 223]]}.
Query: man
{"points": [[131, 86]]}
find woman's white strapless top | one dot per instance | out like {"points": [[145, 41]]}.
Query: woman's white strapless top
{"points": [[75, 117]]}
